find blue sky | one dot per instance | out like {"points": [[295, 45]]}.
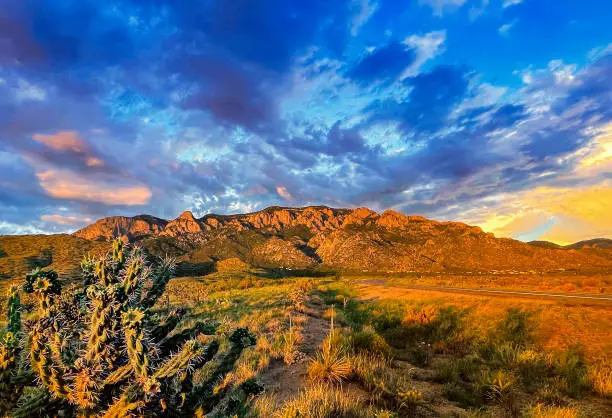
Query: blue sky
{"points": [[492, 112]]}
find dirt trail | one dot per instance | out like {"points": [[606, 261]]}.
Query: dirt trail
{"points": [[286, 381]]}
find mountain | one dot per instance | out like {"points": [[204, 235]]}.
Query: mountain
{"points": [[319, 237], [600, 243], [132, 229], [19, 254]]}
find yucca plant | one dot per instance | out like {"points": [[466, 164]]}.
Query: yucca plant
{"points": [[331, 363], [102, 351]]}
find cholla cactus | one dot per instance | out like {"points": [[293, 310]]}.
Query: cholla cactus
{"points": [[10, 390], [101, 351]]}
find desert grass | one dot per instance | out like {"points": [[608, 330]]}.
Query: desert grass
{"points": [[557, 326]]}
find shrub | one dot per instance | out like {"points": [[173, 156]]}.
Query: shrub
{"points": [[369, 342], [516, 328], [532, 368], [572, 367], [409, 400], [500, 388], [355, 316], [420, 356], [457, 369], [552, 392]]}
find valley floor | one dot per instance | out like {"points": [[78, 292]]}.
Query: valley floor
{"points": [[396, 350]]}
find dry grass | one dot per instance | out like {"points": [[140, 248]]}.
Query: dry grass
{"points": [[322, 401], [542, 411], [557, 282], [330, 364], [558, 325], [600, 376]]}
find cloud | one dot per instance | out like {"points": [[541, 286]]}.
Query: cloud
{"points": [[504, 30], [509, 3], [343, 103], [427, 47], [366, 9], [440, 7], [66, 186], [559, 214], [64, 140], [65, 220], [284, 193]]}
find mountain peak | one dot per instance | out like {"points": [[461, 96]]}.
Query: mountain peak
{"points": [[187, 215]]}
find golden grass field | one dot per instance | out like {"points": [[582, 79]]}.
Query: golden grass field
{"points": [[399, 352]]}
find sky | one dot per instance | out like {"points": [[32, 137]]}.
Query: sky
{"points": [[496, 113]]}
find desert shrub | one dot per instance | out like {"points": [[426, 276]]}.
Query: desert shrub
{"points": [[600, 376], [369, 342], [447, 324], [532, 367], [500, 388], [355, 316], [572, 367], [463, 394], [398, 337], [516, 328], [420, 355], [409, 401], [322, 401], [552, 393], [542, 411], [462, 369], [386, 322]]}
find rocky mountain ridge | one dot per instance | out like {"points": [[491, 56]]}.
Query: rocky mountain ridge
{"points": [[359, 239]]}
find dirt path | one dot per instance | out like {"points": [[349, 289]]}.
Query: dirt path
{"points": [[285, 381]]}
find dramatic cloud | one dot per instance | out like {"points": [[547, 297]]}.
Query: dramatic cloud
{"points": [[65, 185], [157, 107]]}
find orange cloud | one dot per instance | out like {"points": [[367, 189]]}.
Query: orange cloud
{"points": [[64, 220], [63, 140], [579, 213], [284, 193], [94, 162], [66, 185]]}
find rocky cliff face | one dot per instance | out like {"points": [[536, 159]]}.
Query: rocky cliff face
{"points": [[132, 229], [350, 239]]}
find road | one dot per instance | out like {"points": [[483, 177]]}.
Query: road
{"points": [[580, 298]]}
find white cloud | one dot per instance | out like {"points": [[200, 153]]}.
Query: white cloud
{"points": [[366, 10], [504, 30], [8, 228], [25, 91], [443, 6], [508, 3], [427, 47]]}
